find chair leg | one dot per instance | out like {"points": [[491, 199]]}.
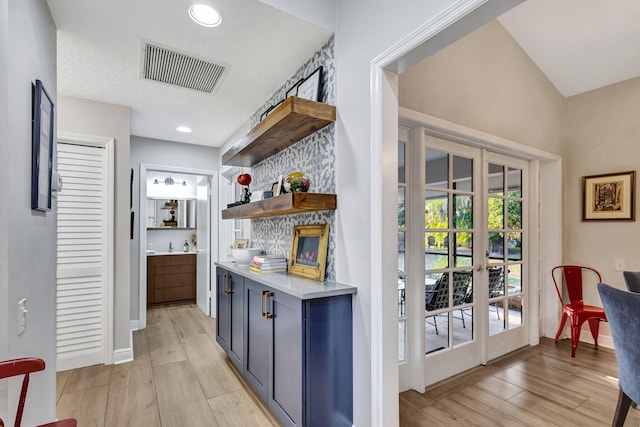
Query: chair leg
{"points": [[622, 408], [594, 325], [435, 323], [563, 321], [575, 336], [462, 313]]}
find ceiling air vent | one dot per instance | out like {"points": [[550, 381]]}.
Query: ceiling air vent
{"points": [[169, 66]]}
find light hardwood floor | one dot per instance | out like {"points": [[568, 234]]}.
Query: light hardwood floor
{"points": [[536, 386], [181, 377]]}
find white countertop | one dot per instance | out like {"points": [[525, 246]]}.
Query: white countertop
{"points": [[298, 287]]}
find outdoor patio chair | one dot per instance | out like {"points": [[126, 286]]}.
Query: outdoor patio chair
{"points": [[437, 295], [496, 285]]}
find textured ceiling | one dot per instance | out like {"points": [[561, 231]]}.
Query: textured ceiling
{"points": [[99, 54], [580, 45]]}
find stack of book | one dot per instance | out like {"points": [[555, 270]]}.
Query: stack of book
{"points": [[268, 264]]}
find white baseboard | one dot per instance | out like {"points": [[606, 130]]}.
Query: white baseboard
{"points": [[123, 355]]}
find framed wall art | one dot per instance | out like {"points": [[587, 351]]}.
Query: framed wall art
{"points": [[42, 148], [311, 87], [309, 251], [609, 197]]}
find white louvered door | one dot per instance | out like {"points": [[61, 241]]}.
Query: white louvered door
{"points": [[82, 256]]}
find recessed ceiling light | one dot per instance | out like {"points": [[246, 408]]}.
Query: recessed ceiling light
{"points": [[184, 129], [205, 15]]}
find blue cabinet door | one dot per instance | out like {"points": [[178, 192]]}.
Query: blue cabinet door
{"points": [[256, 363], [223, 319], [236, 321], [285, 379]]}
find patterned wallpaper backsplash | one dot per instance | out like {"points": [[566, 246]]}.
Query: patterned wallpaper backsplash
{"points": [[314, 155]]}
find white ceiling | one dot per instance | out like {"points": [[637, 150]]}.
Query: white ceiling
{"points": [[99, 48], [579, 44]]}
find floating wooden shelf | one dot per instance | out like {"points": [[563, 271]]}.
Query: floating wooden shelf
{"points": [[289, 203], [295, 119]]}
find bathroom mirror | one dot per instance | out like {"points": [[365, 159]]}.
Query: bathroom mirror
{"points": [[159, 213]]}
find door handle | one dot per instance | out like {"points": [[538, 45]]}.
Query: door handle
{"points": [[479, 267], [263, 311], [267, 313], [227, 289]]}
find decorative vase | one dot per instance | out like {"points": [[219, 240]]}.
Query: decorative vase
{"points": [[296, 182]]}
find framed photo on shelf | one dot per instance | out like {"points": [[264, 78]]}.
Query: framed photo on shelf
{"points": [[293, 91], [309, 251], [42, 148], [240, 244], [275, 188], [310, 88], [609, 197]]}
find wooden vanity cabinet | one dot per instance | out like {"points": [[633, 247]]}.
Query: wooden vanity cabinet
{"points": [[171, 278]]}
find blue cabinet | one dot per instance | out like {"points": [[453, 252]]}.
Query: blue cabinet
{"points": [[298, 355], [230, 314]]}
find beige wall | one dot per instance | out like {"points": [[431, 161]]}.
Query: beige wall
{"points": [[486, 82], [604, 128], [80, 116]]}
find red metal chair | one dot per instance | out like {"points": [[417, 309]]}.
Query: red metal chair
{"points": [[25, 366], [576, 310]]}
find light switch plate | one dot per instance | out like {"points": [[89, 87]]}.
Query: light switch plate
{"points": [[22, 315]]}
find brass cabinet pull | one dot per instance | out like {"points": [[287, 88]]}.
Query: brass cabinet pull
{"points": [[267, 295], [263, 311], [227, 289]]}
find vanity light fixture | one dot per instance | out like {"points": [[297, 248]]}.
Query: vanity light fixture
{"points": [[169, 181], [205, 15], [184, 129]]}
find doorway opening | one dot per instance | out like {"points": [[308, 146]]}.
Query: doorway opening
{"points": [[176, 218]]}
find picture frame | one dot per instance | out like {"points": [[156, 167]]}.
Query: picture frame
{"points": [[42, 148], [311, 87], [293, 90], [609, 197], [240, 244], [309, 247], [266, 112], [275, 188]]}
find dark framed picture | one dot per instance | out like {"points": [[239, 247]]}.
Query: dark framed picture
{"points": [[266, 112], [42, 150], [309, 251], [609, 197], [311, 87], [293, 91]]}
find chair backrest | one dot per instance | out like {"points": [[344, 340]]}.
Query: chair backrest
{"points": [[496, 282], [461, 289], [438, 296], [15, 367], [623, 314], [573, 280], [632, 280]]}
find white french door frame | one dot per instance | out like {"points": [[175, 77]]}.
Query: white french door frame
{"points": [[544, 245], [212, 250], [108, 231]]}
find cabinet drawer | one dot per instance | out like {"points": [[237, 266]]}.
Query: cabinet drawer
{"points": [[174, 294], [172, 269], [177, 280]]}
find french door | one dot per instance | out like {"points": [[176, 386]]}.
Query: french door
{"points": [[461, 258]]}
